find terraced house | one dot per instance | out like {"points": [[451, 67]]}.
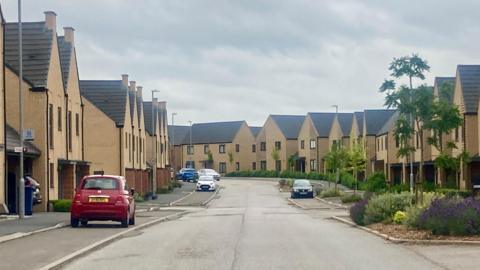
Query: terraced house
{"points": [[177, 135], [276, 142], [3, 204], [52, 105], [222, 146], [164, 140]]}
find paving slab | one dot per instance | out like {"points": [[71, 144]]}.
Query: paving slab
{"points": [[35, 222]]}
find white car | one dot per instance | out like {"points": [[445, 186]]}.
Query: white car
{"points": [[209, 172], [206, 183]]}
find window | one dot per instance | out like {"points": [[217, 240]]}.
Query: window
{"points": [[302, 144], [278, 145], [69, 130], [456, 134], [263, 146], [126, 140], [254, 148], [50, 126], [222, 167], [59, 118], [237, 166], [385, 142], [77, 124], [278, 165], [313, 144], [52, 174], [189, 149], [206, 149], [263, 165], [313, 165], [254, 166], [397, 142], [237, 148], [221, 148]]}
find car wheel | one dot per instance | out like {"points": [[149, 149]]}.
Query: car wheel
{"points": [[132, 220], [84, 223], [74, 222], [126, 221]]}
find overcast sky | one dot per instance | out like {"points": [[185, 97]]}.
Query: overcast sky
{"points": [[243, 60]]}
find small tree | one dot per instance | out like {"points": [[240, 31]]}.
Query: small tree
{"points": [[276, 156], [209, 158], [292, 160], [336, 160], [230, 158], [356, 160]]}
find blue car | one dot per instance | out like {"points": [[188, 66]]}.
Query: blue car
{"points": [[187, 175]]}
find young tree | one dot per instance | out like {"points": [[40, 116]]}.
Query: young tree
{"points": [[291, 161], [412, 104], [336, 160], [356, 160], [276, 156], [209, 158], [230, 158]]}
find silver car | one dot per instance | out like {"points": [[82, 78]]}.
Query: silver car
{"points": [[209, 172], [302, 188]]}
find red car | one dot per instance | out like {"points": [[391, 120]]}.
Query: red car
{"points": [[103, 197]]}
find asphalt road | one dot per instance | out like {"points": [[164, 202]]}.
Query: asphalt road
{"points": [[250, 225]]}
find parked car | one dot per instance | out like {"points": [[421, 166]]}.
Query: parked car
{"points": [[37, 195], [209, 172], [302, 188], [187, 175], [206, 183], [103, 197]]}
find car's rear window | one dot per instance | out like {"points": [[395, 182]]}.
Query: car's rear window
{"points": [[101, 183]]}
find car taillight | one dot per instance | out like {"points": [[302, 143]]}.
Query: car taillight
{"points": [[120, 200], [77, 199]]}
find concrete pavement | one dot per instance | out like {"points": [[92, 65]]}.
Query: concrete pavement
{"points": [[251, 226], [35, 222]]}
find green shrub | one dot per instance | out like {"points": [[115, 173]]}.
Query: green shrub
{"points": [[375, 183], [412, 213], [331, 192], [348, 180], [62, 205], [454, 193], [351, 198], [357, 212], [399, 217], [399, 188], [428, 186], [163, 190], [381, 208], [177, 184]]}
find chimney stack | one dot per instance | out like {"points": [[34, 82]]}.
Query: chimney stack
{"points": [[69, 34], [125, 80], [51, 20], [132, 86], [139, 91]]}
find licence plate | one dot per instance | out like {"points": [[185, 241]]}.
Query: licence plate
{"points": [[98, 199], [303, 193]]}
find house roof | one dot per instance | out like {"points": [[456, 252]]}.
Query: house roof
{"points": [[147, 116], [109, 96], [289, 125], [13, 140], [375, 119], [216, 132], [65, 49], [345, 120], [255, 130], [37, 49], [389, 125], [322, 122], [359, 118], [180, 133], [470, 82], [139, 110], [132, 99]]}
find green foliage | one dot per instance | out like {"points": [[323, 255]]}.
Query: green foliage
{"points": [[291, 161], [62, 205], [399, 188], [230, 157], [275, 154], [399, 217], [331, 192], [454, 193], [375, 183], [336, 158], [381, 208], [351, 198], [356, 161], [138, 198], [210, 156]]}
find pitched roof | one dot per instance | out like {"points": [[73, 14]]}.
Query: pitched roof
{"points": [[65, 49], [180, 133], [147, 116], [359, 118], [289, 125], [37, 49], [139, 109], [217, 132], [322, 122], [345, 120], [132, 99], [470, 82], [255, 130], [109, 96], [13, 140], [375, 119], [389, 125]]}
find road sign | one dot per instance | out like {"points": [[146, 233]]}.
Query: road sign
{"points": [[18, 149]]}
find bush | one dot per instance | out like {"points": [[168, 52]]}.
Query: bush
{"points": [[375, 183], [176, 184], [399, 188], [351, 198], [348, 180], [357, 212], [382, 208], [399, 217], [412, 214], [163, 190], [454, 193], [62, 205], [331, 192], [447, 216], [137, 197]]}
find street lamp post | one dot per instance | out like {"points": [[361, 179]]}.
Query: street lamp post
{"points": [[154, 136], [21, 188], [337, 175], [190, 145], [173, 140]]}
